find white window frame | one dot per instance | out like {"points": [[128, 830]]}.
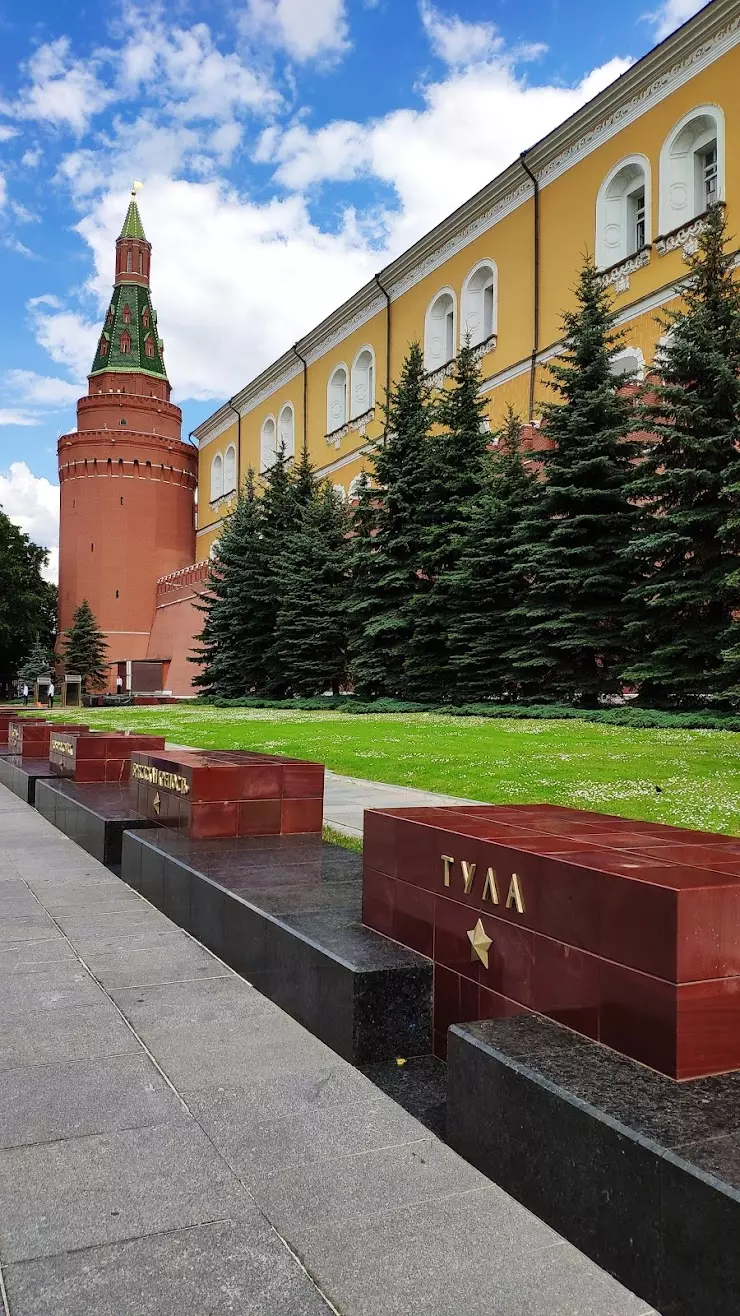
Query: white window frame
{"points": [[680, 198], [332, 423], [287, 410], [636, 360], [230, 475], [217, 477], [268, 445], [468, 309], [357, 406], [615, 220], [354, 487], [434, 360]]}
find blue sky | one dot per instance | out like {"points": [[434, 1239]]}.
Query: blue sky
{"points": [[288, 148]]}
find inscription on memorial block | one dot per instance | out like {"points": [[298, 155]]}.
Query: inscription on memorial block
{"points": [[96, 757]]}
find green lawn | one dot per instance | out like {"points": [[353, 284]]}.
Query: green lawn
{"points": [[612, 769]]}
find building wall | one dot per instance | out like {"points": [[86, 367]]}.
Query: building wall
{"points": [[176, 621], [633, 117]]}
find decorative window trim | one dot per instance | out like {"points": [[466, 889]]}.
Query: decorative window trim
{"points": [[340, 365], [232, 488], [287, 406], [618, 276], [358, 423], [216, 503], [366, 348], [684, 236], [638, 161], [263, 464], [217, 463], [633, 354], [709, 110], [439, 375], [487, 263], [445, 291]]}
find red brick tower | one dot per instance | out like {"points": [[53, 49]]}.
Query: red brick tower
{"points": [[127, 481]]}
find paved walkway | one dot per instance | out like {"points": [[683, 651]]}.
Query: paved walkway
{"points": [[171, 1142], [346, 798]]}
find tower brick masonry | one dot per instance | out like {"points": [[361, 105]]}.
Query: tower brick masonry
{"points": [[127, 481]]}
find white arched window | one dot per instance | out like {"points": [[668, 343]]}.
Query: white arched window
{"points": [[286, 429], [692, 167], [623, 211], [629, 364], [363, 382], [439, 330], [336, 400], [230, 469], [340, 492], [355, 486], [479, 298], [217, 477], [268, 451]]}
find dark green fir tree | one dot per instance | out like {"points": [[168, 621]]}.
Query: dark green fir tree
{"points": [[453, 472], [279, 512], [386, 543], [688, 489], [231, 644], [484, 586], [27, 601], [40, 662], [310, 646], [570, 548], [86, 649]]}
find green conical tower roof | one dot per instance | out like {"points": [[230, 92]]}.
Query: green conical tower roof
{"points": [[129, 342], [132, 225]]}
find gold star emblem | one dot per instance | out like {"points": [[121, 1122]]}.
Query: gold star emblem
{"points": [[156, 803], [480, 942]]}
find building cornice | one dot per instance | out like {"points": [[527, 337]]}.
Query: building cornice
{"points": [[698, 43]]}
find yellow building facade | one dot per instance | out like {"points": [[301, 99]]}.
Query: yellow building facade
{"points": [[627, 178]]}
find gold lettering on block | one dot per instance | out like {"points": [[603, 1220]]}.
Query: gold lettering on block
{"points": [[468, 872], [515, 898], [62, 747], [170, 781], [490, 890], [448, 861]]}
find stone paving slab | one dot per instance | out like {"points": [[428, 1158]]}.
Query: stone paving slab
{"points": [[346, 798], [178, 1144]]}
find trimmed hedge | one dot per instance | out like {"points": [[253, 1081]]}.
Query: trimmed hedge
{"points": [[625, 716]]}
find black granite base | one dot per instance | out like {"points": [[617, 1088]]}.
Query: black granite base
{"points": [[419, 1084], [640, 1172], [94, 816], [284, 911], [20, 775]]}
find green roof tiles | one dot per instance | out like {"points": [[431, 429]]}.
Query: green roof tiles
{"points": [[129, 342], [132, 225]]}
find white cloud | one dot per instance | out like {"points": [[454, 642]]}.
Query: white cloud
{"points": [[457, 42], [42, 390], [61, 90], [31, 158], [672, 13], [6, 132], [306, 29], [8, 417], [3, 192], [32, 503], [67, 337]]}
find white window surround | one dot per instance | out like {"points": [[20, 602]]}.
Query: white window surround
{"points": [[440, 329], [341, 492], [479, 303], [363, 382], [230, 469], [617, 211], [217, 477], [337, 398], [286, 429], [681, 166], [355, 485], [629, 362], [268, 450]]}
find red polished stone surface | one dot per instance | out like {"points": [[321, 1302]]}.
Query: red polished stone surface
{"points": [[30, 739], [97, 756], [8, 716], [214, 793], [627, 932]]}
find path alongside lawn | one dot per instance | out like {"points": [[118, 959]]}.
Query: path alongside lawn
{"points": [[688, 778]]}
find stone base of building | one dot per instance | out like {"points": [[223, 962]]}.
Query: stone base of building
{"points": [[638, 1171], [285, 912]]}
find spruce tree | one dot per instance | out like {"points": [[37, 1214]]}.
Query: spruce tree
{"points": [[279, 512], [40, 662], [688, 489], [27, 601], [85, 649], [570, 548], [484, 586], [386, 545], [310, 646], [452, 470], [231, 644]]}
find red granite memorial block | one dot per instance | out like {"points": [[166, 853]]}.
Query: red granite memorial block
{"points": [[8, 717], [209, 793], [627, 932], [97, 756], [30, 739]]}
